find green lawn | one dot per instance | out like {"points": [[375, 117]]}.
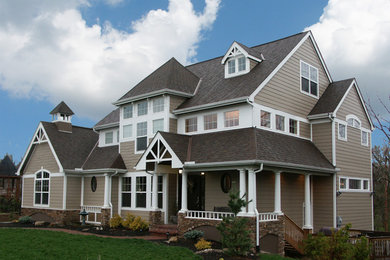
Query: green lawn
{"points": [[42, 244]]}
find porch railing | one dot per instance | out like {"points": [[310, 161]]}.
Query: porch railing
{"points": [[212, 215], [380, 247], [265, 217], [293, 234], [93, 214]]}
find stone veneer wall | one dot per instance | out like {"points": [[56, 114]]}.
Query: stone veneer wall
{"points": [[275, 228], [155, 218], [59, 216], [105, 217]]}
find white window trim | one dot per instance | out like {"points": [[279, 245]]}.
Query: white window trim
{"points": [[237, 73], [132, 111], [185, 124], [204, 122], [300, 80], [123, 132], [149, 184], [35, 178], [347, 189], [346, 131], [270, 119], [163, 104], [136, 137], [131, 191], [224, 119], [361, 138], [351, 116]]}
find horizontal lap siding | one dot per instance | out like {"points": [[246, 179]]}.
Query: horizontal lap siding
{"points": [[128, 155], [283, 91], [355, 208], [175, 102], [73, 193], [41, 157], [94, 198], [172, 125], [214, 196], [304, 130], [138, 213], [322, 202], [322, 138], [265, 183], [114, 194], [293, 196], [28, 192], [56, 192]]}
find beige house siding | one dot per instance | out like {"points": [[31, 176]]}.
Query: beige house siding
{"points": [[283, 91], [214, 196], [172, 195], [355, 208], [252, 64], [128, 155], [94, 198], [172, 125], [141, 213], [114, 194], [56, 192], [41, 157], [352, 105], [304, 129], [322, 138], [293, 196], [322, 202], [73, 193], [28, 192], [174, 102], [265, 186]]}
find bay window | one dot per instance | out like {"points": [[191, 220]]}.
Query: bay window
{"points": [[126, 192], [140, 192]]}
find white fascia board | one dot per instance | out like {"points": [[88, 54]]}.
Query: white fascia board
{"points": [[210, 105], [53, 151], [28, 149], [320, 116], [95, 171], [234, 44], [344, 97], [152, 94], [110, 125]]}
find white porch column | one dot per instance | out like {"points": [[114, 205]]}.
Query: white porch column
{"points": [[251, 191], [106, 190], [155, 193], [184, 191], [82, 192], [242, 187], [277, 203], [308, 224]]}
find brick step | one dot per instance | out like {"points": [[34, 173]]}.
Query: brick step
{"points": [[163, 229]]}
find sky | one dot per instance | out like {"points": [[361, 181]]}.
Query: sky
{"points": [[91, 52]]}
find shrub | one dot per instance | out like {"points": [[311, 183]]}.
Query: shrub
{"points": [[203, 244], [139, 224], [127, 220], [115, 221], [362, 249], [9, 205], [194, 235], [25, 220]]}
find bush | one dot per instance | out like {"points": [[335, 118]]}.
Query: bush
{"points": [[202, 244], [139, 224], [25, 220], [194, 235], [115, 221], [9, 205], [127, 220]]}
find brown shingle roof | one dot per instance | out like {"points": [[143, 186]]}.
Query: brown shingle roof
{"points": [[111, 118], [63, 109], [104, 157], [332, 96]]}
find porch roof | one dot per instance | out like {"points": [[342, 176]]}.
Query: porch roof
{"points": [[104, 157], [247, 144]]}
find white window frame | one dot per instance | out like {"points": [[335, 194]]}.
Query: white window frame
{"points": [[226, 122], [127, 192], [112, 137], [289, 126], [189, 128], [347, 189], [270, 119], [141, 136], [284, 123], [338, 131], [42, 171], [144, 110], [153, 125], [354, 119], [210, 123], [141, 192], [128, 114], [301, 76], [158, 104], [361, 138], [128, 126]]}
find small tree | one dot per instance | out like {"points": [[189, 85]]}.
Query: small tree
{"points": [[234, 230]]}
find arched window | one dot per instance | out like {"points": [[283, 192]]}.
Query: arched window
{"points": [[353, 121], [41, 189]]}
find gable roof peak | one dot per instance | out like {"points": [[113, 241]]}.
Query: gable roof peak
{"points": [[62, 108]]}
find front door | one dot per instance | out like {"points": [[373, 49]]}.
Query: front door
{"points": [[196, 192]]}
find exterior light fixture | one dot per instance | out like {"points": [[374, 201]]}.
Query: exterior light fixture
{"points": [[202, 173], [180, 171]]}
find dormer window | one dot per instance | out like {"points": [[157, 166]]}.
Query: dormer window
{"points": [[241, 63], [232, 66]]}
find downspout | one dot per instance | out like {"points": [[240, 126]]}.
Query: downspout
{"points": [[109, 201], [257, 217]]}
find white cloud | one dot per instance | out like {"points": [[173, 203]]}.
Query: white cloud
{"points": [[354, 38], [49, 52]]}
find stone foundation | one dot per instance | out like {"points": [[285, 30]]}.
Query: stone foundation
{"points": [[274, 228], [155, 218], [58, 216], [105, 217]]}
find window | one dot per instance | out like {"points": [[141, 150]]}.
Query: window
{"points": [[191, 124], [140, 196], [293, 126], [158, 104], [117, 136], [142, 108], [158, 125], [241, 63], [342, 131], [128, 111], [265, 119], [231, 66], [232, 118], [109, 137], [354, 184], [353, 121], [126, 192], [93, 184], [142, 139], [159, 191], [210, 121], [41, 194], [279, 120], [365, 138], [365, 185], [309, 79], [343, 183], [127, 131]]}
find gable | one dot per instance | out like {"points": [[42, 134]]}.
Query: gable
{"points": [[283, 91], [41, 157]]}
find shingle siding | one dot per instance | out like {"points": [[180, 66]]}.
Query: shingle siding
{"points": [[214, 196], [293, 196], [322, 202], [73, 192], [41, 157], [128, 155], [56, 192], [28, 192], [322, 138], [355, 208], [94, 198], [265, 184], [304, 130]]}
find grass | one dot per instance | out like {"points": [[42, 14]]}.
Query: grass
{"points": [[43, 244]]}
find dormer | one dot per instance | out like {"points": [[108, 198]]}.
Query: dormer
{"points": [[240, 59], [62, 117]]}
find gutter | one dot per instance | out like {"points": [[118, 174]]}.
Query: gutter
{"points": [[320, 116], [97, 171], [152, 94], [210, 105], [110, 125]]}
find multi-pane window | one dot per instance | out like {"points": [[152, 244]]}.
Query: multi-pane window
{"points": [[232, 118], [140, 189], [191, 124], [210, 121], [142, 108], [265, 119], [158, 104], [158, 125], [232, 66], [365, 138], [343, 183], [109, 137], [279, 122], [353, 122], [126, 192], [142, 139], [309, 79], [342, 133], [128, 111], [241, 63], [41, 190], [127, 131], [159, 191], [293, 126], [354, 184]]}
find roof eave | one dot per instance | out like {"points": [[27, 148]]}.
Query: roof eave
{"points": [[106, 126], [152, 94], [97, 171], [210, 105]]}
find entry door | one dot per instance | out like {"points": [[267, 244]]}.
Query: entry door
{"points": [[196, 192]]}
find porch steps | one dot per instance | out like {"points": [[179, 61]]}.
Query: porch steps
{"points": [[290, 251], [163, 229]]}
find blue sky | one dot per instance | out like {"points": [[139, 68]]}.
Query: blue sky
{"points": [[82, 54]]}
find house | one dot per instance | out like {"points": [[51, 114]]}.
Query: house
{"points": [[10, 185], [268, 121]]}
